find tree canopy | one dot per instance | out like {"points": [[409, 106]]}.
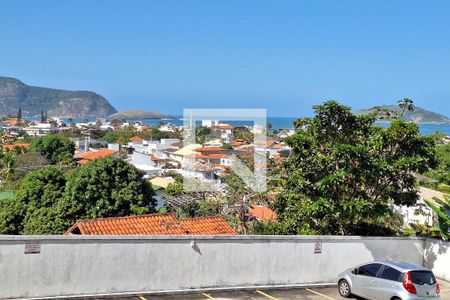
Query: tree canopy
{"points": [[53, 147], [345, 173], [48, 202], [107, 187]]}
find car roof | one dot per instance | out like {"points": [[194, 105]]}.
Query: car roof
{"points": [[402, 266]]}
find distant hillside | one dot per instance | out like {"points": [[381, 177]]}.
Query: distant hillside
{"points": [[419, 115], [137, 114], [14, 94]]}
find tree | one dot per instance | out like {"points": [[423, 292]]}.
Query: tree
{"points": [[28, 162], [19, 114], [53, 147], [107, 187], [405, 105], [243, 133], [441, 208], [34, 209], [345, 173]]}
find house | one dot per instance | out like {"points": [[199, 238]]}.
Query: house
{"points": [[145, 163], [13, 121], [137, 140], [41, 129], [210, 123], [420, 213], [153, 224], [182, 154], [201, 171], [168, 127], [226, 132], [84, 158], [237, 143]]}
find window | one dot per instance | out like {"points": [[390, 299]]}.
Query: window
{"points": [[370, 270], [391, 274], [422, 277]]}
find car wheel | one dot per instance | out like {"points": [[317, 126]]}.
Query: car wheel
{"points": [[344, 288]]}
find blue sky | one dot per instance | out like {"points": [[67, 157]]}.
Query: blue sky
{"points": [[281, 55]]}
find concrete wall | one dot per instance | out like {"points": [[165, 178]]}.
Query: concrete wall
{"points": [[75, 265], [437, 258]]}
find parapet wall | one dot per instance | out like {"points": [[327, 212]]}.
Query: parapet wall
{"points": [[94, 265]]}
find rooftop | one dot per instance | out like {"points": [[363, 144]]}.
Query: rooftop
{"points": [[87, 156], [154, 224]]}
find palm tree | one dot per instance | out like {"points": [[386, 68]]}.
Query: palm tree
{"points": [[406, 104]]}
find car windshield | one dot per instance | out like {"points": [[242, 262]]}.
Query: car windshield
{"points": [[422, 277]]}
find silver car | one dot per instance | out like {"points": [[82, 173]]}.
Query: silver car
{"points": [[389, 280]]}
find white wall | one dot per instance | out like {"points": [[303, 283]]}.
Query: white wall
{"points": [[437, 258], [80, 265]]}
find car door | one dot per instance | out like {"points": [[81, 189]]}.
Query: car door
{"points": [[365, 280], [389, 281]]}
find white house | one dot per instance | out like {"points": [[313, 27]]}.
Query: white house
{"points": [[41, 129]]}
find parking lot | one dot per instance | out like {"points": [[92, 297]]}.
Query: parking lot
{"points": [[314, 293]]}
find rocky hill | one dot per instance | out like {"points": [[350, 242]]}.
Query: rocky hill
{"points": [[418, 115], [14, 94], [137, 114]]}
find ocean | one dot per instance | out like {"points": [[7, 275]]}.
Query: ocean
{"points": [[282, 123]]}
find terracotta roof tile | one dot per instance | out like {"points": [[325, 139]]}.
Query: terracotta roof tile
{"points": [[96, 154], [13, 146], [136, 139], [208, 226], [155, 224], [262, 213], [210, 149], [225, 126]]}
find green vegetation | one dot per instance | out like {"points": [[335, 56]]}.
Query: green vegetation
{"points": [[137, 114], [32, 100], [345, 173], [442, 172], [123, 136], [49, 202], [56, 148], [442, 209], [417, 115], [243, 133]]}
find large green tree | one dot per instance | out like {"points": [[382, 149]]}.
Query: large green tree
{"points": [[345, 173], [107, 187], [54, 147], [35, 207]]}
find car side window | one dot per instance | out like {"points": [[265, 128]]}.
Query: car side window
{"points": [[392, 274], [370, 270]]}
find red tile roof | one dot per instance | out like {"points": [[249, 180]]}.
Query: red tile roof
{"points": [[136, 139], [225, 126], [210, 149], [237, 143], [13, 121], [84, 157], [13, 146], [262, 213], [208, 226], [155, 224]]}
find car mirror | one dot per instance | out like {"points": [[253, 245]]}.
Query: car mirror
{"points": [[355, 271]]}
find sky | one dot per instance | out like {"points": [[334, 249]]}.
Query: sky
{"points": [[284, 56]]}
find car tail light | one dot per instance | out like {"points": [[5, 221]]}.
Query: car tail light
{"points": [[408, 285], [438, 288]]}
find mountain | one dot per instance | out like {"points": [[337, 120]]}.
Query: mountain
{"points": [[14, 94], [137, 114], [418, 115]]}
